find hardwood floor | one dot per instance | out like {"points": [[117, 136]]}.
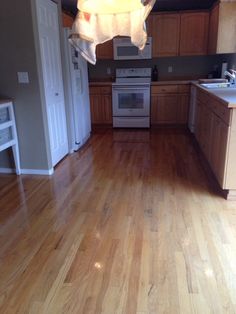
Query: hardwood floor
{"points": [[131, 224]]}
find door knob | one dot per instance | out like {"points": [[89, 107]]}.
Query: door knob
{"points": [[56, 94]]}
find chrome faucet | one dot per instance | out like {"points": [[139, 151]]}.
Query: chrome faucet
{"points": [[231, 75]]}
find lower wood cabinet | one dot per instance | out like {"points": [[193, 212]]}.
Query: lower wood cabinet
{"points": [[215, 127], [169, 104], [101, 104], [218, 143], [212, 135]]}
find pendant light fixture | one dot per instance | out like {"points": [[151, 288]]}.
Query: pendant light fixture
{"points": [[100, 20], [109, 6]]}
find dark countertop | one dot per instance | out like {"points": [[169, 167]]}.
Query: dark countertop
{"points": [[164, 82], [5, 101]]}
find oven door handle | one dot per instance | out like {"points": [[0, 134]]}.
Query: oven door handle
{"points": [[137, 88]]}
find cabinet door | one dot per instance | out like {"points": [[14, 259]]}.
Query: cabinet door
{"points": [[207, 132], [149, 23], [165, 32], [101, 109], [164, 109], [198, 122], [183, 109], [96, 109], [194, 33], [105, 50], [154, 114], [107, 109], [218, 155], [213, 30]]}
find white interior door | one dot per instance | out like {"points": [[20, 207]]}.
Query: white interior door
{"points": [[47, 17]]}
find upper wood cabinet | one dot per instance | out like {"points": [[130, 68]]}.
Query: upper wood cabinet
{"points": [[67, 20], [213, 30], [165, 30], [222, 29], [194, 33], [105, 50]]}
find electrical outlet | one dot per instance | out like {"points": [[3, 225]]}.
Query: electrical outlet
{"points": [[23, 77], [108, 71], [170, 69]]}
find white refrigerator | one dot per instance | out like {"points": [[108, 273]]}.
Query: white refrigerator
{"points": [[76, 95]]}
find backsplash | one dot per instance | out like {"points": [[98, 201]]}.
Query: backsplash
{"points": [[182, 67]]}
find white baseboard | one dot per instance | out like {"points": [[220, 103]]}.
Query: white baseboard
{"points": [[40, 172], [7, 170]]}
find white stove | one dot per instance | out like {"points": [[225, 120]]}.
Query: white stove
{"points": [[131, 98]]}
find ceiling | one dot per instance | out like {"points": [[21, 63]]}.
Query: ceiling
{"points": [[161, 5]]}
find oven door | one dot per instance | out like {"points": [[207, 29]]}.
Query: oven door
{"points": [[131, 101]]}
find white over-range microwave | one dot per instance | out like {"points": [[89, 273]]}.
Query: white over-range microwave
{"points": [[125, 50]]}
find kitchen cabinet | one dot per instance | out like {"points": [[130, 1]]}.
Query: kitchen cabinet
{"points": [[222, 28], [101, 104], [203, 130], [194, 33], [219, 140], [213, 30], [105, 50], [175, 34], [164, 30], [67, 20], [215, 132], [164, 109], [169, 104], [183, 108]]}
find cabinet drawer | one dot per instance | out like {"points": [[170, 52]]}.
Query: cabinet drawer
{"points": [[5, 136], [221, 111], [105, 90], [4, 115], [94, 90], [97, 90], [184, 89], [165, 89]]}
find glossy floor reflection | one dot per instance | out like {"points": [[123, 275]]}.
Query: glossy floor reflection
{"points": [[130, 224]]}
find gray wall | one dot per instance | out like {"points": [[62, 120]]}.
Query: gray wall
{"points": [[17, 53], [183, 67]]}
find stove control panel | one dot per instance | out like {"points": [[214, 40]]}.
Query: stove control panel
{"points": [[133, 72]]}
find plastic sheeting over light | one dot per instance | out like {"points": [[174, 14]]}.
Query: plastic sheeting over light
{"points": [[101, 20]]}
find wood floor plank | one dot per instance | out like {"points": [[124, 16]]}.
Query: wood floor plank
{"points": [[130, 224]]}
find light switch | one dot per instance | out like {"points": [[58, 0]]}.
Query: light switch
{"points": [[170, 69], [23, 77]]}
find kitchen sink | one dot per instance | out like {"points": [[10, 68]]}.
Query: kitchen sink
{"points": [[216, 85]]}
